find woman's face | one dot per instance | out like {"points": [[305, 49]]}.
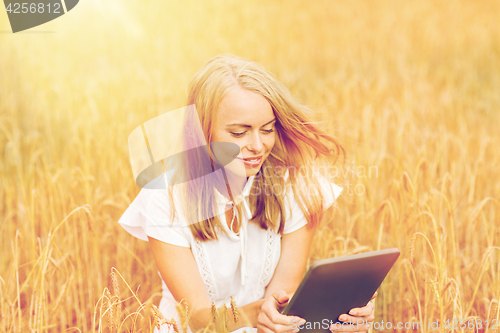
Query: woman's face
{"points": [[246, 119]]}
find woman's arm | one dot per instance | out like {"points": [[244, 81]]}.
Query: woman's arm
{"points": [[180, 273], [295, 248]]}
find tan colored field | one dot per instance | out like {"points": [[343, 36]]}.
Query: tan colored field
{"points": [[411, 88]]}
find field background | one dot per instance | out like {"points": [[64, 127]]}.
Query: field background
{"points": [[411, 88]]}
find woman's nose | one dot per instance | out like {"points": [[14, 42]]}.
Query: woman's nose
{"points": [[255, 145]]}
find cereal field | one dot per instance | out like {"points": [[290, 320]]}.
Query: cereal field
{"points": [[410, 88]]}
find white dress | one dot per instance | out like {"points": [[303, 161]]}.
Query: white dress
{"points": [[237, 264]]}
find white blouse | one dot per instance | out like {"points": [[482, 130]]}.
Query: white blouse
{"points": [[237, 264]]}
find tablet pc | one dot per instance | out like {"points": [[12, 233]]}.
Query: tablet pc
{"points": [[334, 286]]}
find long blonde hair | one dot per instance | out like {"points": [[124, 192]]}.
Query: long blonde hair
{"points": [[300, 147]]}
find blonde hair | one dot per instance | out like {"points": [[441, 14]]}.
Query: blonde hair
{"points": [[300, 147]]}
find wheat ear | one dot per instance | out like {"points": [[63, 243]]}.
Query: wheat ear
{"points": [[116, 292], [236, 314]]}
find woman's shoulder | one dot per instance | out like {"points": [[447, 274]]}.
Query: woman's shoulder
{"points": [[151, 214]]}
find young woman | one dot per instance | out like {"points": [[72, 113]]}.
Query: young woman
{"points": [[236, 220]]}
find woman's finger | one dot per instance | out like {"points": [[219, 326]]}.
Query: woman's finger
{"points": [[364, 311], [357, 319], [263, 329], [270, 311], [292, 326], [272, 319], [374, 296], [280, 296]]}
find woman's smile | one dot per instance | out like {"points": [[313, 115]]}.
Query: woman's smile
{"points": [[252, 162]]}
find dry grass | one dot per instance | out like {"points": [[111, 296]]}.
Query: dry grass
{"points": [[410, 87]]}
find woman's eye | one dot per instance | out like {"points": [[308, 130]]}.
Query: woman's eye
{"points": [[237, 134], [268, 131]]}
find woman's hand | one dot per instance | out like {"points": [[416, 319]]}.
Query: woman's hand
{"points": [[271, 320], [357, 320]]}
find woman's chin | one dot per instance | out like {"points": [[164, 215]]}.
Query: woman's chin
{"points": [[243, 171], [251, 171]]}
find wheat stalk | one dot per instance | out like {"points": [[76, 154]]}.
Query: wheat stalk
{"points": [[236, 316], [111, 313], [161, 320], [183, 311], [116, 295], [412, 248]]}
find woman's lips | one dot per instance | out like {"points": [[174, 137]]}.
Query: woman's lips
{"points": [[252, 161]]}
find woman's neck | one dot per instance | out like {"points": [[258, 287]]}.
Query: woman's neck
{"points": [[236, 183]]}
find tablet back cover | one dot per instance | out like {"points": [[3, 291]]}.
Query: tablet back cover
{"points": [[334, 286]]}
